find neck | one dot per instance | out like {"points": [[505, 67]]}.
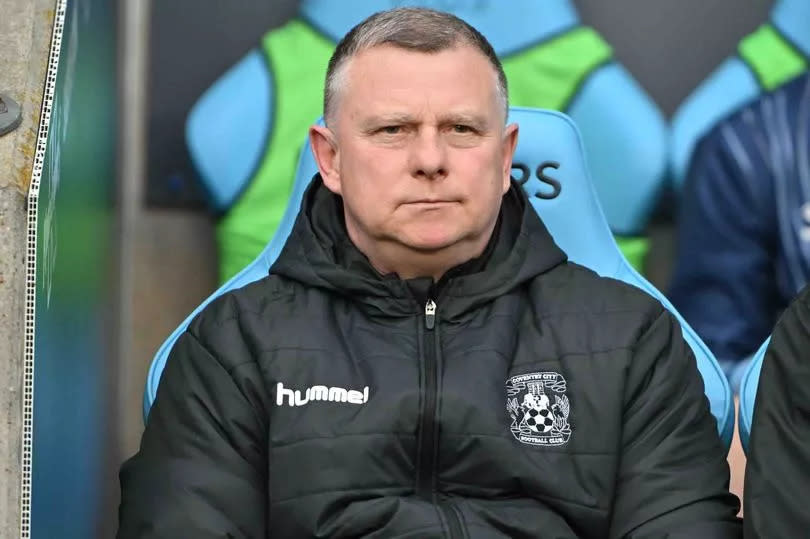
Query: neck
{"points": [[407, 263]]}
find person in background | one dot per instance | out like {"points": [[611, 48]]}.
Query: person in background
{"points": [[423, 360], [744, 226], [773, 54]]}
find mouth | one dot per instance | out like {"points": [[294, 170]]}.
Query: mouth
{"points": [[426, 202]]}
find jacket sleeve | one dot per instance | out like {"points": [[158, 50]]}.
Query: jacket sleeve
{"points": [[201, 470], [673, 476], [776, 485], [723, 282]]}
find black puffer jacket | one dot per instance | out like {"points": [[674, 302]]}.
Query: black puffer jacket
{"points": [[776, 477], [538, 400]]}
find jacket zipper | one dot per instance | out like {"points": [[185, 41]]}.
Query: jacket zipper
{"points": [[427, 453], [427, 468]]}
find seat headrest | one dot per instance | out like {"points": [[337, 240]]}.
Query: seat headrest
{"points": [[550, 163]]}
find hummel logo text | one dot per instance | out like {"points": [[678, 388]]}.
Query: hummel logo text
{"points": [[320, 393]]}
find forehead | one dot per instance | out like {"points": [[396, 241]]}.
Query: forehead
{"points": [[386, 77]]}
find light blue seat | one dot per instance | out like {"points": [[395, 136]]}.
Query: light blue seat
{"points": [[550, 164], [732, 84], [748, 393]]}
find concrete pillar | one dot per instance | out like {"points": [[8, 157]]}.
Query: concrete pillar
{"points": [[25, 36]]}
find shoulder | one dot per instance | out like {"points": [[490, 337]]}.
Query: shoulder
{"points": [[791, 336], [742, 134], [600, 305], [573, 286], [236, 315]]}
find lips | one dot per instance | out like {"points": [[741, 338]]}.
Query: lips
{"points": [[431, 201]]}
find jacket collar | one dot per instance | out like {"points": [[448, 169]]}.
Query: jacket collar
{"points": [[319, 253]]}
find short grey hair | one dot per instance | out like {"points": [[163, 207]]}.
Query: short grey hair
{"points": [[414, 29]]}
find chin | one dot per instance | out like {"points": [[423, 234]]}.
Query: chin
{"points": [[430, 242]]}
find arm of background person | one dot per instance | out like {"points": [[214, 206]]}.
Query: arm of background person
{"points": [[724, 284]]}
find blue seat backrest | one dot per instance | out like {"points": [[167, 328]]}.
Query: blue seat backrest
{"points": [[731, 85], [550, 163], [748, 393]]}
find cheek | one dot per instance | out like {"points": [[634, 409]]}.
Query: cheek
{"points": [[366, 163], [375, 165], [370, 179], [481, 170]]}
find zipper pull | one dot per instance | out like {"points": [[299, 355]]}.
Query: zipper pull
{"points": [[430, 314]]}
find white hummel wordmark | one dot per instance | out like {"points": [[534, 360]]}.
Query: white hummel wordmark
{"points": [[320, 393]]}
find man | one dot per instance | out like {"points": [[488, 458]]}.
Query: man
{"points": [[422, 361], [744, 231], [776, 478]]}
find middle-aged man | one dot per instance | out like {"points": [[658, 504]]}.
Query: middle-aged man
{"points": [[422, 360]]}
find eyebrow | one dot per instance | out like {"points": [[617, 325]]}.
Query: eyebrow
{"points": [[387, 119], [466, 118]]}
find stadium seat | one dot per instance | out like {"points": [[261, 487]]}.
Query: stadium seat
{"points": [[748, 393], [773, 54]]}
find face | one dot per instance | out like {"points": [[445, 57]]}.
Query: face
{"points": [[417, 148]]}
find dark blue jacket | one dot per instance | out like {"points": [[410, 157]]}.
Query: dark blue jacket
{"points": [[744, 233]]}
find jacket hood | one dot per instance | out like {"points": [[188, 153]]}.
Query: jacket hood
{"points": [[319, 253]]}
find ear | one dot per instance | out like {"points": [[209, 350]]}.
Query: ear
{"points": [[327, 155], [510, 138]]}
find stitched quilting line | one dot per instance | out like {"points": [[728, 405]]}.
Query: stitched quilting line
{"points": [[529, 498], [395, 491], [285, 445]]}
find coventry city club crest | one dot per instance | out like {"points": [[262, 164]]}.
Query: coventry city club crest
{"points": [[536, 418]]}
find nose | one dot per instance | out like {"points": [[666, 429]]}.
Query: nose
{"points": [[428, 156]]}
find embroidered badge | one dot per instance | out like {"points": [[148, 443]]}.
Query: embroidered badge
{"points": [[536, 420]]}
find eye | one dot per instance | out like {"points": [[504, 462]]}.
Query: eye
{"points": [[460, 128], [391, 129]]}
